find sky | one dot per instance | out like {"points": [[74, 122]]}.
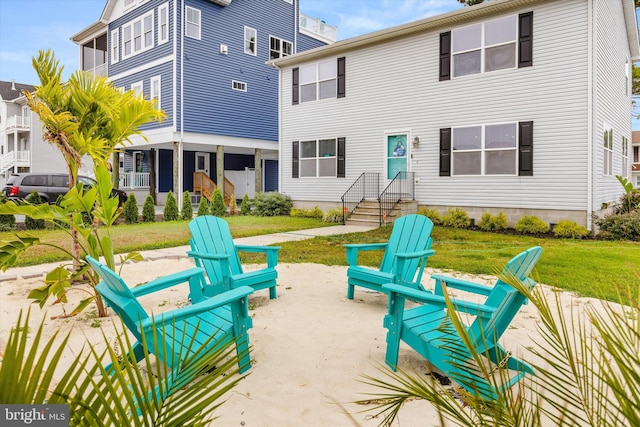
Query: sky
{"points": [[27, 26]]}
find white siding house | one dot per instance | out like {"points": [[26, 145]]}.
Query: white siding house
{"points": [[499, 107]]}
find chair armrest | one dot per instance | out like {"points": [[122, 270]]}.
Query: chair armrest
{"points": [[270, 251], [424, 297], [204, 255], [201, 307], [193, 275], [419, 254], [463, 285], [353, 248]]}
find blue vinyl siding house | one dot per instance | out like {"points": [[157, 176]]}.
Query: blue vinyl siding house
{"points": [[205, 62]]}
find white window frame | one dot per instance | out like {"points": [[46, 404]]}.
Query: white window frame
{"points": [[247, 40], [636, 153], [197, 24], [607, 153], [238, 85], [313, 71], [281, 49], [302, 161], [625, 156], [130, 27], [483, 150], [155, 91], [483, 47], [115, 45], [163, 11], [138, 87]]}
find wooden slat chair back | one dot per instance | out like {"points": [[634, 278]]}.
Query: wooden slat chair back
{"points": [[213, 249], [174, 335], [429, 330], [405, 256]]}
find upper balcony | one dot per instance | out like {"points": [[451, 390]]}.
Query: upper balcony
{"points": [[19, 123], [317, 28]]}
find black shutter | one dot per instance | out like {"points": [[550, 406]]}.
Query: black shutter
{"points": [[525, 40], [445, 152], [342, 88], [295, 160], [342, 143], [525, 148], [445, 56], [295, 97]]}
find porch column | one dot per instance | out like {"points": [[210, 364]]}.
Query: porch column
{"points": [[258, 169], [220, 168], [152, 175], [176, 170]]}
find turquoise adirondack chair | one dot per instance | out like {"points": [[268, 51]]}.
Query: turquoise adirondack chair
{"points": [[404, 259], [186, 329], [429, 330], [213, 249]]}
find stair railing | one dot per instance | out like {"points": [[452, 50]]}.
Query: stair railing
{"points": [[366, 186], [401, 187]]}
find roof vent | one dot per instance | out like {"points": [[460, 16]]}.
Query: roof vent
{"points": [[13, 85]]}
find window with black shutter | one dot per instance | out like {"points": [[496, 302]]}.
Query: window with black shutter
{"points": [[342, 89], [445, 152], [295, 79], [342, 148], [295, 160], [525, 148], [445, 56], [525, 40]]}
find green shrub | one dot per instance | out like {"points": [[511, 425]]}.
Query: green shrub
{"points": [[570, 230], [456, 218], [187, 207], [218, 207], [148, 210], [531, 225], [490, 222], [203, 207], [333, 215], [629, 202], [30, 223], [171, 208], [272, 204], [245, 206], [233, 205], [432, 214], [620, 227], [307, 213], [131, 212], [7, 222]]}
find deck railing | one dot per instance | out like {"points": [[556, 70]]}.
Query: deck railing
{"points": [[319, 28], [402, 187], [18, 122], [367, 186], [133, 180]]}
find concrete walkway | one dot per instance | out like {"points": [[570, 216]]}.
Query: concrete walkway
{"points": [[181, 251]]}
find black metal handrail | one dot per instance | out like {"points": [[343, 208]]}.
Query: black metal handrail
{"points": [[366, 186], [402, 187]]}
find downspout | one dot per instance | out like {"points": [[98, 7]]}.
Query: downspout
{"points": [[590, 114], [296, 17], [181, 142], [280, 140]]}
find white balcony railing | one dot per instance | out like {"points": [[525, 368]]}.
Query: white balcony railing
{"points": [[14, 158], [133, 180], [18, 122], [100, 70], [318, 28]]}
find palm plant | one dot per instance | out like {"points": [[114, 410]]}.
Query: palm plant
{"points": [[589, 373], [121, 394]]}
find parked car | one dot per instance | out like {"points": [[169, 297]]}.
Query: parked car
{"points": [[48, 185]]}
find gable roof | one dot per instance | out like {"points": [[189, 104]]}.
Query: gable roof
{"points": [[449, 19], [10, 90]]}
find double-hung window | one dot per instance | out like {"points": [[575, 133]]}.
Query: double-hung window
{"points": [[192, 24], [156, 90], [250, 37], [607, 151], [492, 149], [319, 158], [137, 88], [137, 35], [320, 80], [115, 46], [163, 23], [625, 156], [498, 44], [279, 47]]}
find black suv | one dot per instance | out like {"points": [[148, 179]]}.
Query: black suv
{"points": [[48, 185]]}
